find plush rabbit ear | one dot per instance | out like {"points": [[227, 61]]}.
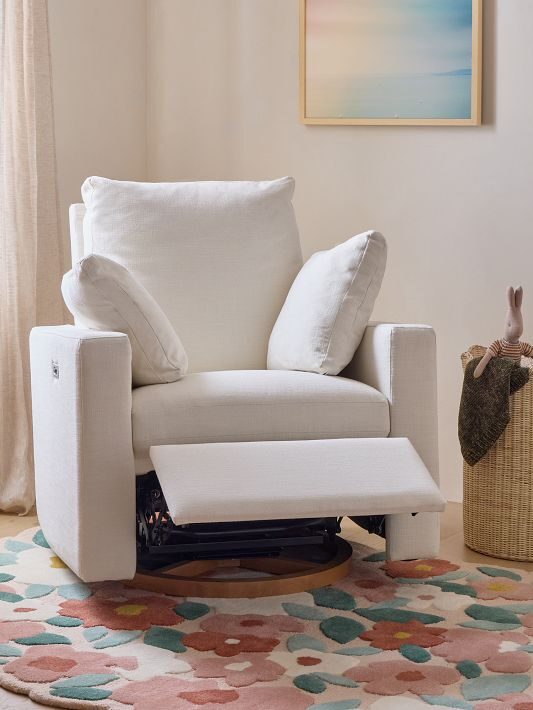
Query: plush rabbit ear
{"points": [[518, 296], [510, 297]]}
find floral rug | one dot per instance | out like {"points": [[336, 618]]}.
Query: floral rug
{"points": [[390, 636]]}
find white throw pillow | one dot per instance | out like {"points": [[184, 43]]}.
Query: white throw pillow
{"points": [[103, 295], [328, 307]]}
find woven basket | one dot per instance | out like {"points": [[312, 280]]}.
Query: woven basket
{"points": [[498, 490]]}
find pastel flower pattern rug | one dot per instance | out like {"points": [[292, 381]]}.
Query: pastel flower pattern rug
{"points": [[390, 636]]}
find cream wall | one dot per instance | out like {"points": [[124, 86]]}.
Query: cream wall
{"points": [[222, 88], [99, 80], [456, 204]]}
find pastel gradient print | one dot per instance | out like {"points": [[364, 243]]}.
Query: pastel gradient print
{"points": [[389, 59]]}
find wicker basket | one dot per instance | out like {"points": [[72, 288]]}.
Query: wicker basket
{"points": [[498, 490]]}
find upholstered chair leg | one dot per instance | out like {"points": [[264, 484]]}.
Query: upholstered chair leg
{"points": [[412, 536]]}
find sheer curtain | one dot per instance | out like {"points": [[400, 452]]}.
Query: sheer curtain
{"points": [[30, 241]]}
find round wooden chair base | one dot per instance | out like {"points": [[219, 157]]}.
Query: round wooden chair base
{"points": [[281, 575]]}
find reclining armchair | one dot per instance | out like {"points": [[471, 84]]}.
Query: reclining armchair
{"points": [[93, 432]]}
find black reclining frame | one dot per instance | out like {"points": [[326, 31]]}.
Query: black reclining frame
{"points": [[160, 541]]}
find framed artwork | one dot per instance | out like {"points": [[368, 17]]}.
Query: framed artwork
{"points": [[390, 62]]}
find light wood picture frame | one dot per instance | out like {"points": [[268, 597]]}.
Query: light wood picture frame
{"points": [[391, 62]]}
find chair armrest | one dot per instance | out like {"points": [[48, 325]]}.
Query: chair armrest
{"points": [[84, 471], [400, 361]]}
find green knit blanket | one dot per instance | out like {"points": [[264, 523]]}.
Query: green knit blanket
{"points": [[484, 410]]}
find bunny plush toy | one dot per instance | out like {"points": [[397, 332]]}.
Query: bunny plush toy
{"points": [[510, 345]]}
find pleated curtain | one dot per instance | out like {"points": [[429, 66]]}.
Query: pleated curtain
{"points": [[30, 242]]}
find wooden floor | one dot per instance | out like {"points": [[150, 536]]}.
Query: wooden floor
{"points": [[452, 548]]}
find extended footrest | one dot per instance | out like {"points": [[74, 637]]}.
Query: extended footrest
{"points": [[270, 510], [265, 480]]}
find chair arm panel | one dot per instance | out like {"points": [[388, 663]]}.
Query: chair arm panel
{"points": [[401, 362], [85, 478]]}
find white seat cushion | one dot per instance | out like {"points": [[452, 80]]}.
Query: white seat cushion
{"points": [[251, 405], [218, 257]]}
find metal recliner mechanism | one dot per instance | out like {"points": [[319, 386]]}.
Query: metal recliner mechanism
{"points": [[160, 541]]}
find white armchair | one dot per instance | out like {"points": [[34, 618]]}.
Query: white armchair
{"points": [[92, 432]]}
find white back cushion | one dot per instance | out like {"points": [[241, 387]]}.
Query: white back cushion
{"points": [[218, 257], [76, 214]]}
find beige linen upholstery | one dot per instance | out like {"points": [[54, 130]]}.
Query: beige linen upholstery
{"points": [[83, 439], [334, 473], [254, 405], [214, 269], [85, 481], [400, 361]]}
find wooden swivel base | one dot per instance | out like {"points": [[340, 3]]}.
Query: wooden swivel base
{"points": [[282, 575]]}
